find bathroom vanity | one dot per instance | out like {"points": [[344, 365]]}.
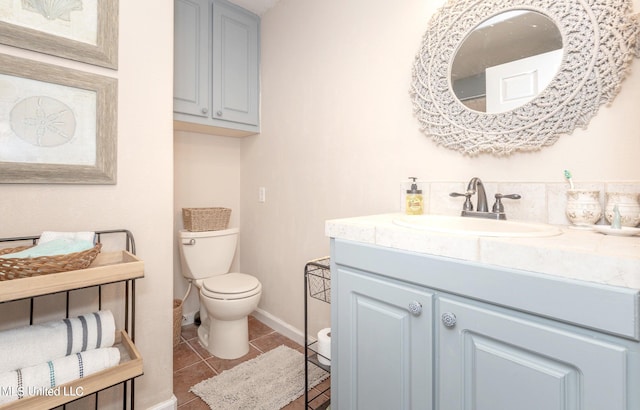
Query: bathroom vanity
{"points": [[433, 320]]}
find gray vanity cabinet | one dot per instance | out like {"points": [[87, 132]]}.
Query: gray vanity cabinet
{"points": [[216, 68], [415, 331], [494, 359], [385, 344]]}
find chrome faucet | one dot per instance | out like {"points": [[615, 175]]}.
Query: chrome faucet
{"points": [[482, 208], [476, 185]]}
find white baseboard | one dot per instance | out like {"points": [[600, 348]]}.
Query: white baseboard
{"points": [[279, 326], [171, 404]]}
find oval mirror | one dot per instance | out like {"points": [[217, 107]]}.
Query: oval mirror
{"points": [[598, 41], [506, 61]]}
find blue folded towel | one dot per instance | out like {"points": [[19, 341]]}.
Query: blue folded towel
{"points": [[60, 246]]}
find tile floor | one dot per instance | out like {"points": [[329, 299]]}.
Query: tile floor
{"points": [[192, 363]]}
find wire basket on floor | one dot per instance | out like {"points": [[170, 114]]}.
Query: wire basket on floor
{"points": [[16, 268], [205, 219]]}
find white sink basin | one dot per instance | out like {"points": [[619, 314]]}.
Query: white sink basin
{"points": [[476, 226]]}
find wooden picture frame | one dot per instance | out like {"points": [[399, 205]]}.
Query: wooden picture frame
{"points": [[51, 112], [103, 53]]}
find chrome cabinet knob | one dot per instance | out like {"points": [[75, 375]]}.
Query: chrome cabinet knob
{"points": [[449, 319], [205, 110], [415, 308]]}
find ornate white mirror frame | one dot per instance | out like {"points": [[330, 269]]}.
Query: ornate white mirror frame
{"points": [[600, 38]]}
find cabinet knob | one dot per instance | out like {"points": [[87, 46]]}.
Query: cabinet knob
{"points": [[219, 113], [205, 110], [449, 319], [415, 308]]}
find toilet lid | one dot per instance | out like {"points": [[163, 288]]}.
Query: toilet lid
{"points": [[230, 285]]}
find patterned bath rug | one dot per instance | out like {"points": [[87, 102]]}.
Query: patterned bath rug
{"points": [[267, 382]]}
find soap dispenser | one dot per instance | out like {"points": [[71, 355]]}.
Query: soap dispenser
{"points": [[415, 204]]}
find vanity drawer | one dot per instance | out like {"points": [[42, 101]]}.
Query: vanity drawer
{"points": [[605, 308]]}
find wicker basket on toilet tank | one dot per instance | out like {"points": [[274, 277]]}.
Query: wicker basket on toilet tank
{"points": [[205, 219]]}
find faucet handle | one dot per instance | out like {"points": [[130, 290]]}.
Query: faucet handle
{"points": [[498, 207], [468, 206]]}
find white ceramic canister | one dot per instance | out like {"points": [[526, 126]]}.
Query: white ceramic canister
{"points": [[628, 205], [583, 206]]}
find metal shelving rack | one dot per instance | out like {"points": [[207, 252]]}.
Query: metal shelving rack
{"points": [[317, 280], [126, 270]]}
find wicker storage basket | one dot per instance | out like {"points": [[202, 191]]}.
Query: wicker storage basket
{"points": [[177, 321], [16, 268], [205, 219]]}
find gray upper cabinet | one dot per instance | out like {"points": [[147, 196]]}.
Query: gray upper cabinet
{"points": [[191, 90], [216, 68], [235, 64]]}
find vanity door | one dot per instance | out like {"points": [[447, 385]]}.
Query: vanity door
{"points": [[383, 344], [495, 359]]}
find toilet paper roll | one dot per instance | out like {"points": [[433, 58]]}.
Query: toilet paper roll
{"points": [[324, 346]]}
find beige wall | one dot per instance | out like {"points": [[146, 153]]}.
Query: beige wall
{"points": [[141, 201], [339, 138], [207, 174]]}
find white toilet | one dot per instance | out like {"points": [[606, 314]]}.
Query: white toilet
{"points": [[226, 298]]}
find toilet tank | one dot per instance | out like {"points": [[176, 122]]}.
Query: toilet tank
{"points": [[208, 253]]}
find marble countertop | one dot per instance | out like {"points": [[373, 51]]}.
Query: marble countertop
{"points": [[577, 254]]}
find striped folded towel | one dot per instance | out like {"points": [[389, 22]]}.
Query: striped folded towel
{"points": [[39, 380], [30, 345]]}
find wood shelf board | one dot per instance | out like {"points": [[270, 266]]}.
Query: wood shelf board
{"points": [[108, 267], [127, 369], [244, 131]]}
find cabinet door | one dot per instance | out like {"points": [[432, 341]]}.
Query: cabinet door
{"points": [[383, 350], [235, 64], [497, 360], [191, 88]]}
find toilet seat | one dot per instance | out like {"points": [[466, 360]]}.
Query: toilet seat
{"points": [[231, 286]]}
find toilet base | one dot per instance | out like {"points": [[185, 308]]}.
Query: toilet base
{"points": [[226, 339]]}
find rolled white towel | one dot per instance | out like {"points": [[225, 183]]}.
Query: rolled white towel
{"points": [[47, 236], [29, 345], [42, 378]]}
